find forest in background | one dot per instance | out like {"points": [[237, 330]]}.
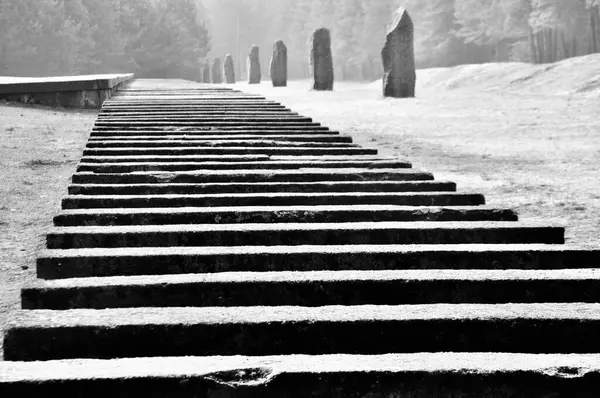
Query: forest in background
{"points": [[447, 32], [152, 38], [173, 38]]}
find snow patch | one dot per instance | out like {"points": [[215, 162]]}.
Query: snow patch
{"points": [[567, 77]]}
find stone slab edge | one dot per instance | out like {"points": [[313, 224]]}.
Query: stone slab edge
{"points": [[60, 84], [495, 374]]}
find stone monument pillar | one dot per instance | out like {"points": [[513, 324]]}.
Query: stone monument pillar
{"points": [[229, 70], [278, 68], [217, 71], [254, 74], [321, 60], [399, 75], [206, 73]]}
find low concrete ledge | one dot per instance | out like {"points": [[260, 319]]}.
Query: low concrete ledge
{"points": [[89, 91]]}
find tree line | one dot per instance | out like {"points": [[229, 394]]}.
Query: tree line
{"points": [[447, 32], [173, 38], [152, 38]]}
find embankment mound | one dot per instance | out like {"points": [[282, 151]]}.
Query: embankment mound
{"points": [[580, 75]]}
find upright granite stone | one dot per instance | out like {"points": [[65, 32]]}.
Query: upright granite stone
{"points": [[321, 60], [399, 76], [254, 74], [229, 70], [278, 68], [206, 73], [217, 71]]}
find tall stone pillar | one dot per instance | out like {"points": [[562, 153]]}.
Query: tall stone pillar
{"points": [[206, 73], [321, 60], [217, 71], [229, 70], [278, 67], [398, 54], [254, 73]]}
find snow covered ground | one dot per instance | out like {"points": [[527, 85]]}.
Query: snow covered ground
{"points": [[573, 76]]}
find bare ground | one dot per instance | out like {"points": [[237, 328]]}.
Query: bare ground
{"points": [[524, 136], [39, 150]]}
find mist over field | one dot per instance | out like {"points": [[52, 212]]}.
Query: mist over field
{"points": [[173, 38]]}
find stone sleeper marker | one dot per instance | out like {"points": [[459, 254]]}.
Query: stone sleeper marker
{"points": [[399, 76], [254, 74], [321, 60], [228, 70], [209, 226], [217, 71], [337, 376], [278, 68]]}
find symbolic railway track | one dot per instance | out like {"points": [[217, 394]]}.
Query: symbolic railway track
{"points": [[216, 244]]}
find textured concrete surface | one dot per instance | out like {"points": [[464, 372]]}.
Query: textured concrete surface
{"points": [[151, 332], [278, 214], [213, 188], [215, 132], [266, 315], [116, 168], [302, 234], [204, 110], [205, 117], [182, 158], [336, 376], [135, 124], [16, 85], [320, 288], [233, 158], [71, 91], [275, 199], [289, 150], [185, 120], [54, 264], [307, 175], [233, 129], [320, 138], [215, 144]]}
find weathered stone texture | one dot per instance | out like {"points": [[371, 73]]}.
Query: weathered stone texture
{"points": [[206, 73], [254, 73], [229, 70], [217, 71], [86, 92], [278, 68], [321, 60], [399, 76]]}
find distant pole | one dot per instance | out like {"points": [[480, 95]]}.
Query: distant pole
{"points": [[238, 50]]}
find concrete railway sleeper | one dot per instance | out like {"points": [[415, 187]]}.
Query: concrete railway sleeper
{"points": [[217, 244]]}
